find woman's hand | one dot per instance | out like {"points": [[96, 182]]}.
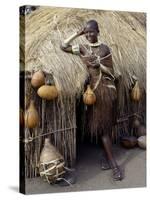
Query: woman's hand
{"points": [[91, 61], [81, 32], [90, 58]]}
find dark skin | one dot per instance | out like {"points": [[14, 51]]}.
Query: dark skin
{"points": [[92, 36]]}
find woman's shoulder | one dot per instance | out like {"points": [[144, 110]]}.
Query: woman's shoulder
{"points": [[105, 48]]}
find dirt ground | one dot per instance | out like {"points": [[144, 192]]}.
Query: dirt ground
{"points": [[91, 177]]}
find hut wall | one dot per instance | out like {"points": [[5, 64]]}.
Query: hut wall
{"points": [[57, 122]]}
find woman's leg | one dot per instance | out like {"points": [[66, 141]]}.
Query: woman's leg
{"points": [[105, 165], [117, 172]]}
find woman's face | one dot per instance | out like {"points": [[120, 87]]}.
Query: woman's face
{"points": [[91, 35]]}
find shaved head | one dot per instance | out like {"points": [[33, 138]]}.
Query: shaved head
{"points": [[91, 25]]}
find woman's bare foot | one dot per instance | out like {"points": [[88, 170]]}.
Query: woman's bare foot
{"points": [[105, 164], [117, 173]]}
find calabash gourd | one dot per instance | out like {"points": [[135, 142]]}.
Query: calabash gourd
{"points": [[136, 92], [142, 142], [89, 97], [128, 141], [52, 163], [38, 79], [48, 92], [31, 116]]}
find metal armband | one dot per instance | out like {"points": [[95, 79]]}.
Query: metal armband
{"points": [[76, 49]]}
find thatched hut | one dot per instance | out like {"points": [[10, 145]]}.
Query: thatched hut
{"points": [[41, 33]]}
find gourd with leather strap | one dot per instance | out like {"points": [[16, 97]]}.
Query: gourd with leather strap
{"points": [[89, 97], [51, 166]]}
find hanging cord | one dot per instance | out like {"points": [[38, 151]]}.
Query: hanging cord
{"points": [[62, 178], [59, 179], [98, 81], [30, 139]]}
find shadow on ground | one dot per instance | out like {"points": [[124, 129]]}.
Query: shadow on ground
{"points": [[14, 188]]}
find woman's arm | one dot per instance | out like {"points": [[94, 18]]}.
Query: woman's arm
{"points": [[67, 47], [106, 57]]}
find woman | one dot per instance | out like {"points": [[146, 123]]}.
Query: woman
{"points": [[98, 59]]}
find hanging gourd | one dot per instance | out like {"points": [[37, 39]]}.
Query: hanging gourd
{"points": [[136, 92], [51, 166], [38, 79], [31, 116], [136, 123], [48, 92], [89, 97]]}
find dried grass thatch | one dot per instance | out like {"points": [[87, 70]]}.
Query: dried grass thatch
{"points": [[45, 28]]}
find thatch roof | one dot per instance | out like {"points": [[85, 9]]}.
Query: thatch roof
{"points": [[123, 32]]}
